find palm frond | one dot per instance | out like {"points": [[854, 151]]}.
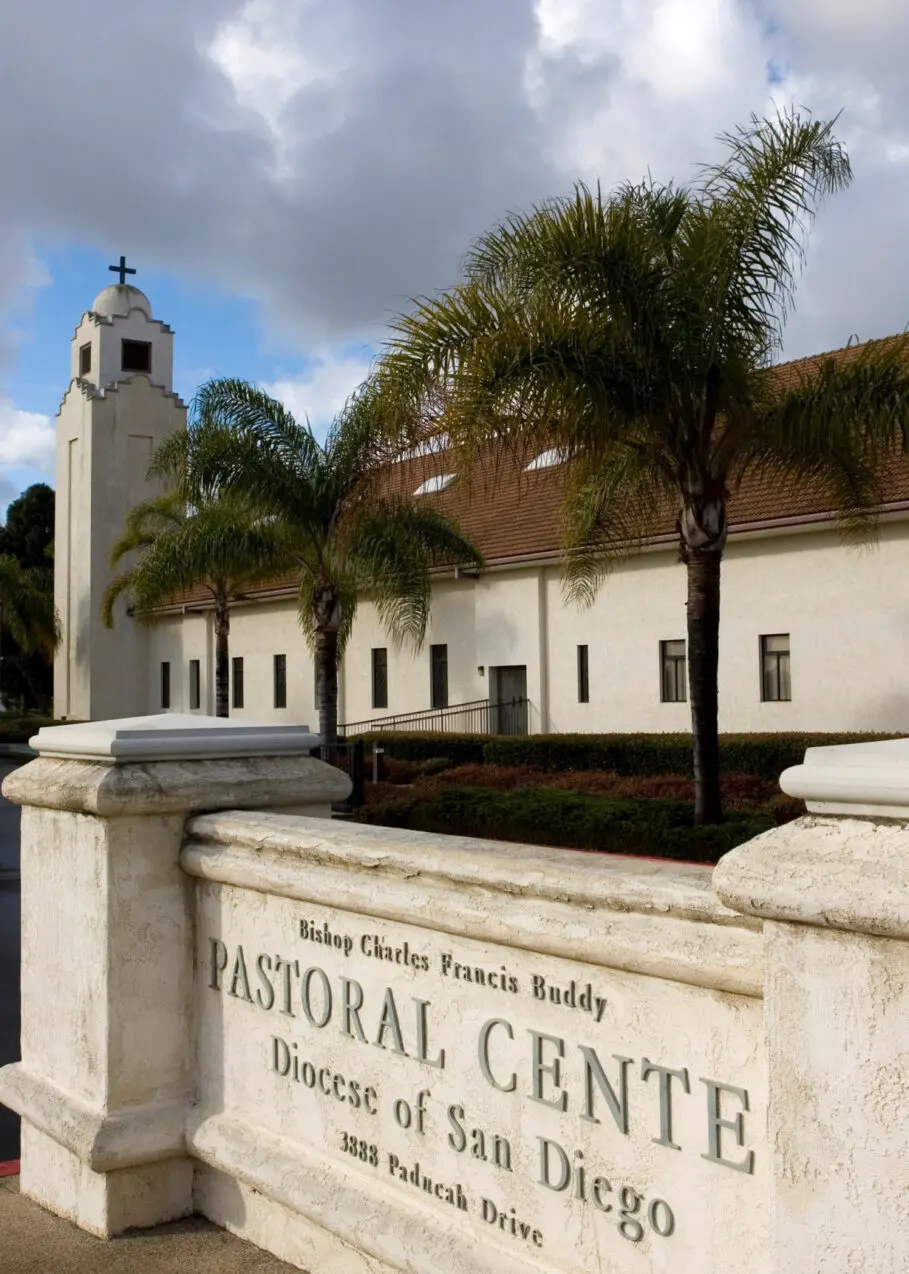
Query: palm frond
{"points": [[27, 607], [841, 425], [393, 545], [609, 509], [159, 515], [759, 202]]}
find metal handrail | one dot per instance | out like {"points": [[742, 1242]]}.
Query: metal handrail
{"points": [[479, 716]]}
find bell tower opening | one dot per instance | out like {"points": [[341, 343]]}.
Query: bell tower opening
{"points": [[136, 356]]}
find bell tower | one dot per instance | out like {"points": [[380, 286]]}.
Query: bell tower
{"points": [[119, 406]]}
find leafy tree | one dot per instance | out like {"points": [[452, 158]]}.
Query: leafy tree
{"points": [[27, 609], [635, 331], [337, 517], [215, 544], [27, 538], [28, 534]]}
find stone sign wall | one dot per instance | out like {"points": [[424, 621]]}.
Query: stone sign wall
{"points": [[565, 1113], [379, 1052]]}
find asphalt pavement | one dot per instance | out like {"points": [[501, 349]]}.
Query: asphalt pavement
{"points": [[9, 959]]}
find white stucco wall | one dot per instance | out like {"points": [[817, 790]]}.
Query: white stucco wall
{"points": [[105, 443], [846, 612]]}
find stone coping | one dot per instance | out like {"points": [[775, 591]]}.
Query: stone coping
{"points": [[865, 779], [831, 873], [182, 787], [641, 915], [171, 736]]}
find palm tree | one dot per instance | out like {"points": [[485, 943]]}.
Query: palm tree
{"points": [[338, 517], [635, 332], [214, 543]]}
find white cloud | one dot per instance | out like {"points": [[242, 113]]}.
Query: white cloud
{"points": [[27, 440], [332, 158], [319, 392]]}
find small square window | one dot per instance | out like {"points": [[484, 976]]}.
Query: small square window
{"points": [[165, 686], [380, 677], [195, 684], [673, 672], [237, 699], [135, 356], [85, 359], [280, 681], [776, 686], [583, 675]]}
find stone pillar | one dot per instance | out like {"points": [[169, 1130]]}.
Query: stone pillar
{"points": [[833, 892], [107, 1066]]}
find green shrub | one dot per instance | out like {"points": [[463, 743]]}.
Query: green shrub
{"points": [[653, 827], [459, 749], [764, 756], [17, 727]]}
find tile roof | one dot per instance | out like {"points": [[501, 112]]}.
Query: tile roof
{"points": [[514, 515]]}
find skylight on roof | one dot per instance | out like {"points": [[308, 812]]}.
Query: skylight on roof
{"points": [[548, 459], [439, 442], [439, 482]]}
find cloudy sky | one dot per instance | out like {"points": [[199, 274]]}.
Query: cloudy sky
{"points": [[286, 173]]}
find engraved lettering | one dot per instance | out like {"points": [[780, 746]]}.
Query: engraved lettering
{"points": [[665, 1081], [287, 967], [564, 1163], [483, 1048], [457, 1139], [263, 964], [306, 997], [218, 956], [539, 1069], [389, 1022], [716, 1123], [423, 1038], [618, 1104], [240, 978], [351, 1003]]}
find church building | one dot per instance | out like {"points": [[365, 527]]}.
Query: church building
{"points": [[814, 635]]}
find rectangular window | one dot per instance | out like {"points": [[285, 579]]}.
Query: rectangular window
{"points": [[380, 677], [673, 673], [280, 681], [775, 684], [438, 674], [165, 685], [195, 684], [85, 359], [135, 356], [237, 681], [583, 676]]}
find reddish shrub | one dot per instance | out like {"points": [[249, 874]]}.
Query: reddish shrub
{"points": [[378, 793], [393, 771], [783, 808]]}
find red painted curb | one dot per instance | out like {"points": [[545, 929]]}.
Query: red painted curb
{"points": [[10, 1169]]}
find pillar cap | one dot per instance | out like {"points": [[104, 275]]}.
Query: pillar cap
{"points": [[868, 780], [171, 736]]}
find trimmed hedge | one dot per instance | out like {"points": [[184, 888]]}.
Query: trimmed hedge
{"points": [[19, 728], [459, 749], [764, 755], [652, 827]]}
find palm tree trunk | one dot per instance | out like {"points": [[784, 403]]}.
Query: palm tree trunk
{"points": [[327, 683], [222, 658], [703, 659]]}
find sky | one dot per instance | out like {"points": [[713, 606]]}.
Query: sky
{"points": [[286, 174]]}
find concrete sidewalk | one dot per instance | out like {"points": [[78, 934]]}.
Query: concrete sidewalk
{"points": [[33, 1241]]}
